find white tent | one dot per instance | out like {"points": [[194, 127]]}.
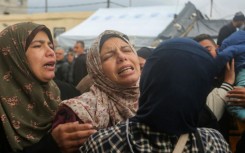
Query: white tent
{"points": [[141, 24]]}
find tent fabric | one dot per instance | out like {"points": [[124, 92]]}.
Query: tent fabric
{"points": [[141, 24], [189, 23]]}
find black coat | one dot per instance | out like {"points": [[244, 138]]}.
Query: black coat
{"points": [[225, 32], [80, 68]]}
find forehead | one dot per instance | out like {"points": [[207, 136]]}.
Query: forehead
{"points": [[113, 41], [40, 34], [207, 42], [78, 44], [59, 51]]}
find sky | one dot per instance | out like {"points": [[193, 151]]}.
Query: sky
{"points": [[221, 9]]}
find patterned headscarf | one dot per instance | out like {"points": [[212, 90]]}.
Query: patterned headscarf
{"points": [[174, 85], [27, 106], [106, 103]]}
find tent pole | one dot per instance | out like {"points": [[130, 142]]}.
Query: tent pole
{"points": [[108, 3]]}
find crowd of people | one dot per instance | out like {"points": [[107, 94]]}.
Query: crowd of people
{"points": [[179, 96]]}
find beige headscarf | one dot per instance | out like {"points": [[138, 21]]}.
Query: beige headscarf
{"points": [[27, 106], [106, 103]]}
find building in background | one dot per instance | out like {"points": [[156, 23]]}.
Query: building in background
{"points": [[57, 22], [13, 7]]}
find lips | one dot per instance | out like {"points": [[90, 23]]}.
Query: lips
{"points": [[50, 65], [125, 69]]}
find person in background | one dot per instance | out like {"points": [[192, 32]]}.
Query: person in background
{"points": [[216, 100], [67, 89], [79, 69], [62, 66], [237, 22], [207, 42], [29, 96], [63, 75], [70, 56], [169, 105], [143, 54]]}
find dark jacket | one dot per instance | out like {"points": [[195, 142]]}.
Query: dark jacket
{"points": [[62, 70], [67, 90], [225, 32], [80, 68]]}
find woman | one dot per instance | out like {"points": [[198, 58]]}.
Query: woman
{"points": [[29, 97], [174, 84], [114, 68]]}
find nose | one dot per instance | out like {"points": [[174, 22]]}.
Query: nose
{"points": [[121, 57], [50, 51]]}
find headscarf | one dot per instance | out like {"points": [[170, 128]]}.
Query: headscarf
{"points": [[107, 103], [174, 84], [27, 105], [144, 52]]}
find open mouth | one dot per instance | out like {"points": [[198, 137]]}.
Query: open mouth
{"points": [[50, 65], [126, 69]]}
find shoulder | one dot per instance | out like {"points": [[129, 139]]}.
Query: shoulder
{"points": [[213, 140], [80, 59], [111, 139], [209, 132]]}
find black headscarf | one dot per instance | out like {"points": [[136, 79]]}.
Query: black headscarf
{"points": [[175, 82], [144, 52]]}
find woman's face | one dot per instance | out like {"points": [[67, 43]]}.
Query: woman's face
{"points": [[119, 63], [41, 57]]}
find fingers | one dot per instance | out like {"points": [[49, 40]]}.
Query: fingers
{"points": [[230, 65], [75, 126], [70, 136], [237, 90], [229, 72], [235, 95]]}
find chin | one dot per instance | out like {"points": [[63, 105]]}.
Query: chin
{"points": [[48, 78], [130, 83]]}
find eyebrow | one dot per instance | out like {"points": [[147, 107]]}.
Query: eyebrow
{"points": [[40, 41], [125, 46]]}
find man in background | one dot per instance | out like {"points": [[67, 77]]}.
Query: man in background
{"points": [[237, 22], [80, 68], [207, 42], [61, 68]]}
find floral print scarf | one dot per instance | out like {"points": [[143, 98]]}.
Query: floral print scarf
{"points": [[27, 106], [106, 103]]}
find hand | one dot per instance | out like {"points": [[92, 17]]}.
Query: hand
{"points": [[70, 136], [237, 96], [230, 72]]}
